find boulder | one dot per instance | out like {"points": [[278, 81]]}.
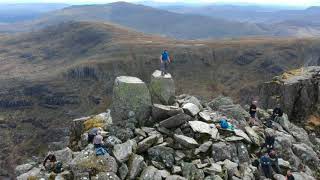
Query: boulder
{"points": [[306, 154], [64, 155], [175, 121], [77, 128], [65, 175], [111, 141], [213, 177], [242, 134], [203, 148], [191, 109], [175, 177], [161, 112], [123, 171], [123, 151], [87, 160], [135, 164], [186, 141], [213, 169], [130, 94], [190, 99], [150, 173], [191, 172], [162, 88], [302, 176], [205, 128], [21, 169], [255, 138], [145, 144], [162, 154], [34, 172], [222, 151], [107, 176], [205, 116]]}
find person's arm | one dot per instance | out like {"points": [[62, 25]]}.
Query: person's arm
{"points": [[160, 58], [45, 161]]}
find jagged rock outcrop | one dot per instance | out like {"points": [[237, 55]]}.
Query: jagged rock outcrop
{"points": [[297, 92], [182, 146], [162, 88], [130, 94]]}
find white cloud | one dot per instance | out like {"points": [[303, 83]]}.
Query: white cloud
{"points": [[280, 2]]}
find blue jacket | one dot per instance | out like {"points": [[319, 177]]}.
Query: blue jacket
{"points": [[165, 56]]}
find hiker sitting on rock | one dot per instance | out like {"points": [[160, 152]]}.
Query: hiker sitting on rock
{"points": [[277, 113], [164, 60], [92, 133], [266, 165], [53, 165], [269, 143], [49, 162], [274, 161]]}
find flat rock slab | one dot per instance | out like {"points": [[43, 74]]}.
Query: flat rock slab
{"points": [[242, 134], [186, 141], [205, 128], [191, 109], [175, 121], [161, 112]]}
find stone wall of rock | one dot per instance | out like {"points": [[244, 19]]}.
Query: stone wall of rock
{"points": [[296, 91]]}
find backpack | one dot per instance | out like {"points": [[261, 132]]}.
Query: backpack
{"points": [[165, 56], [58, 167], [100, 151], [265, 161], [224, 124]]}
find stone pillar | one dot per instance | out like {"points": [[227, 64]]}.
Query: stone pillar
{"points": [[130, 94], [162, 88]]}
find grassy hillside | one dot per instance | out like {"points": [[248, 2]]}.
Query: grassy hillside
{"points": [[67, 71]]}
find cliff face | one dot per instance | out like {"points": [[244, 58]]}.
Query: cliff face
{"points": [[297, 92]]}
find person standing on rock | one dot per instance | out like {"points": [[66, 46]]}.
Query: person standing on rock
{"points": [[253, 109], [277, 113], [164, 60]]}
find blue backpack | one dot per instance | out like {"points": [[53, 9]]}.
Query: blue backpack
{"points": [[165, 56], [224, 124], [100, 151]]}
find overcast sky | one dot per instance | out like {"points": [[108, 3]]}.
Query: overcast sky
{"points": [[268, 2]]}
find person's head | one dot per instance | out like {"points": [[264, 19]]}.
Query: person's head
{"points": [[289, 173], [99, 133], [165, 50], [272, 152]]}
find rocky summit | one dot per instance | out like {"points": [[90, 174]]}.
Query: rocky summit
{"points": [[150, 133]]}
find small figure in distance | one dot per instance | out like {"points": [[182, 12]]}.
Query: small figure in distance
{"points": [[165, 61], [253, 112]]}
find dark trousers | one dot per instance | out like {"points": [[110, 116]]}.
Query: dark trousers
{"points": [[267, 171], [164, 67]]}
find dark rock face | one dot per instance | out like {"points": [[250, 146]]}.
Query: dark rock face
{"points": [[297, 92]]}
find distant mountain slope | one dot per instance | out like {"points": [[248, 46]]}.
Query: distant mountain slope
{"points": [[11, 13], [149, 20]]}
